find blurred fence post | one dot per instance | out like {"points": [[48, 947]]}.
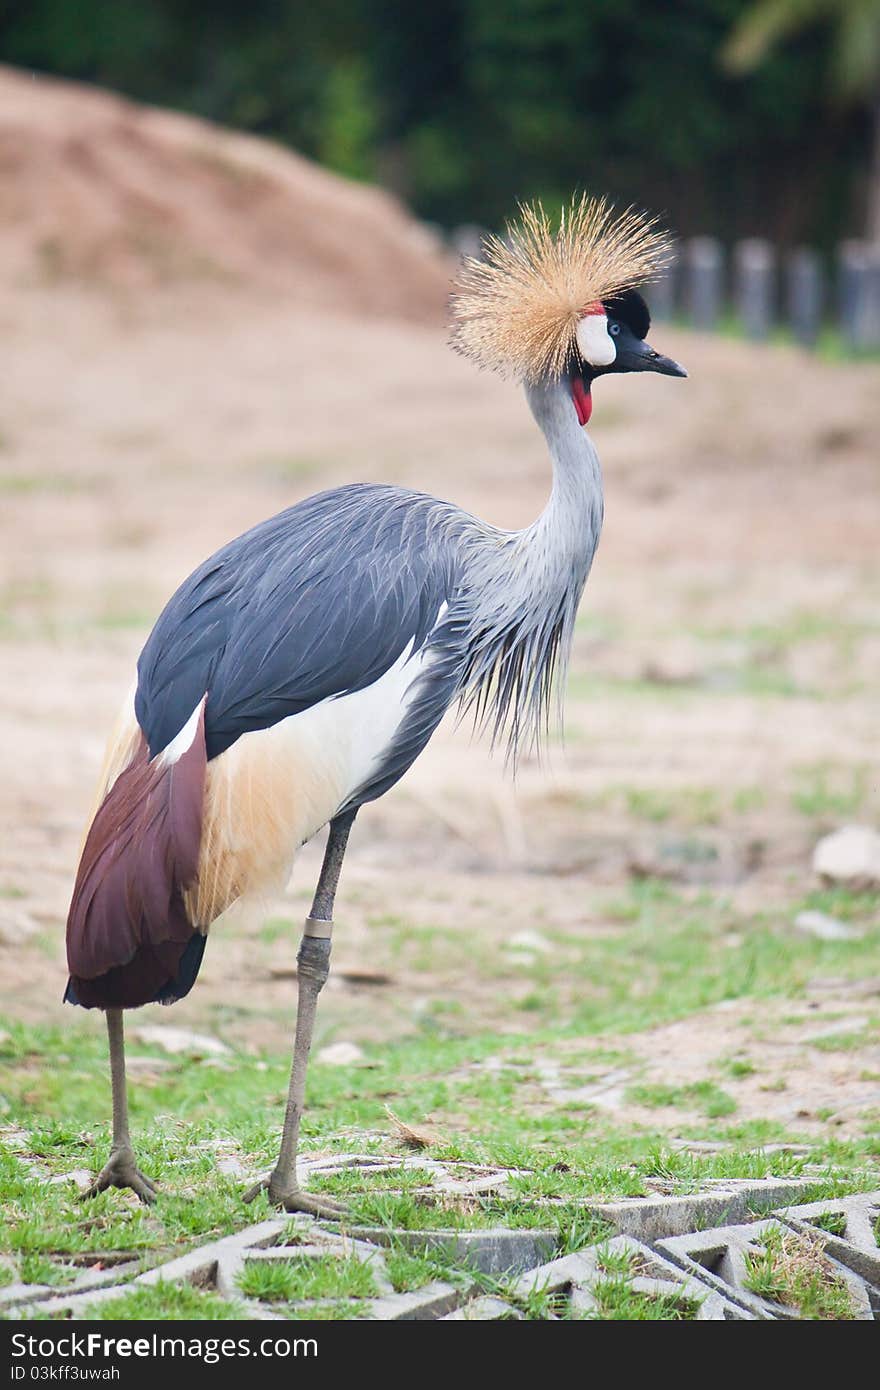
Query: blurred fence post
{"points": [[467, 240], [662, 292], [804, 294], [704, 276], [755, 286], [859, 294]]}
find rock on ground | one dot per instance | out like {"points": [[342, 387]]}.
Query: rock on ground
{"points": [[850, 856], [181, 1040]]}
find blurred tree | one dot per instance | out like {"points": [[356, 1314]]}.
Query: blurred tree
{"points": [[464, 105], [489, 100], [348, 120], [854, 59]]}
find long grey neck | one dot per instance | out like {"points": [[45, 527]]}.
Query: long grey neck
{"points": [[568, 529], [527, 588]]}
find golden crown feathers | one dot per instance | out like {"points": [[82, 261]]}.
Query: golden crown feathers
{"points": [[516, 310]]}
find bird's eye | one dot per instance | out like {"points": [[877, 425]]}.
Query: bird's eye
{"points": [[614, 329]]}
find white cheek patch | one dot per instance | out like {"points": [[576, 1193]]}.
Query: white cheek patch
{"points": [[594, 341]]}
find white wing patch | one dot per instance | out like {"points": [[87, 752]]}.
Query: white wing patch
{"points": [[182, 740], [274, 788], [342, 740]]}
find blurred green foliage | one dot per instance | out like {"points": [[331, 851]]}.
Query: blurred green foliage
{"points": [[462, 106]]}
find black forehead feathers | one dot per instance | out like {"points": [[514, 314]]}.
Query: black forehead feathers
{"points": [[631, 309]]}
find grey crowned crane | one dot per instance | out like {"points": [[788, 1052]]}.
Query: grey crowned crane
{"points": [[298, 672]]}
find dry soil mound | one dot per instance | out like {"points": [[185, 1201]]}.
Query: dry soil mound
{"points": [[97, 188]]}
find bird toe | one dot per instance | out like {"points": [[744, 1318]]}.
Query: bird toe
{"points": [[121, 1171], [293, 1199]]}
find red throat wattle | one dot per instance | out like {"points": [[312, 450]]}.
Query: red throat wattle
{"points": [[583, 401]]}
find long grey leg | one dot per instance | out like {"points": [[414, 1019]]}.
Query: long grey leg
{"points": [[120, 1170], [313, 966]]}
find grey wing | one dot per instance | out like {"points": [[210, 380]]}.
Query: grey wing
{"points": [[317, 602]]}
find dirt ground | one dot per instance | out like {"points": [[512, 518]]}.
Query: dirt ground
{"points": [[722, 710], [723, 690]]}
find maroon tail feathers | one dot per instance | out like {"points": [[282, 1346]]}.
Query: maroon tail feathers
{"points": [[129, 939]]}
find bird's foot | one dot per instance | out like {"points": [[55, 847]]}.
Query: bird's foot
{"points": [[292, 1198], [120, 1170]]}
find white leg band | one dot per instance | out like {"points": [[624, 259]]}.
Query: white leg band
{"points": [[314, 926]]}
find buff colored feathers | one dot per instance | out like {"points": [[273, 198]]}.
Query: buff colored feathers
{"points": [[517, 310]]}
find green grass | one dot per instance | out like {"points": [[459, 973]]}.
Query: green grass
{"points": [[408, 1270], [163, 1302], [619, 1302], [29, 484], [770, 660], [680, 939], [35, 1268], [739, 1067], [834, 1222], [859, 908], [276, 929], [564, 1164], [477, 1075], [841, 1042], [306, 1277], [825, 792], [705, 1096], [791, 1270]]}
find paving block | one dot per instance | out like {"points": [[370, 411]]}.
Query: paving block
{"points": [[16, 1295], [431, 1301], [556, 1276], [491, 1251], [651, 1274], [210, 1266], [718, 1258], [657, 1275], [666, 1255], [24, 1293], [720, 1203], [485, 1309], [336, 1247], [855, 1241]]}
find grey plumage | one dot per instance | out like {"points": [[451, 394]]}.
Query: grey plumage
{"points": [[324, 598], [528, 587], [323, 609]]}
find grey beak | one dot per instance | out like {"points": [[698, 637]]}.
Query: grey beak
{"points": [[664, 365], [638, 356]]}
